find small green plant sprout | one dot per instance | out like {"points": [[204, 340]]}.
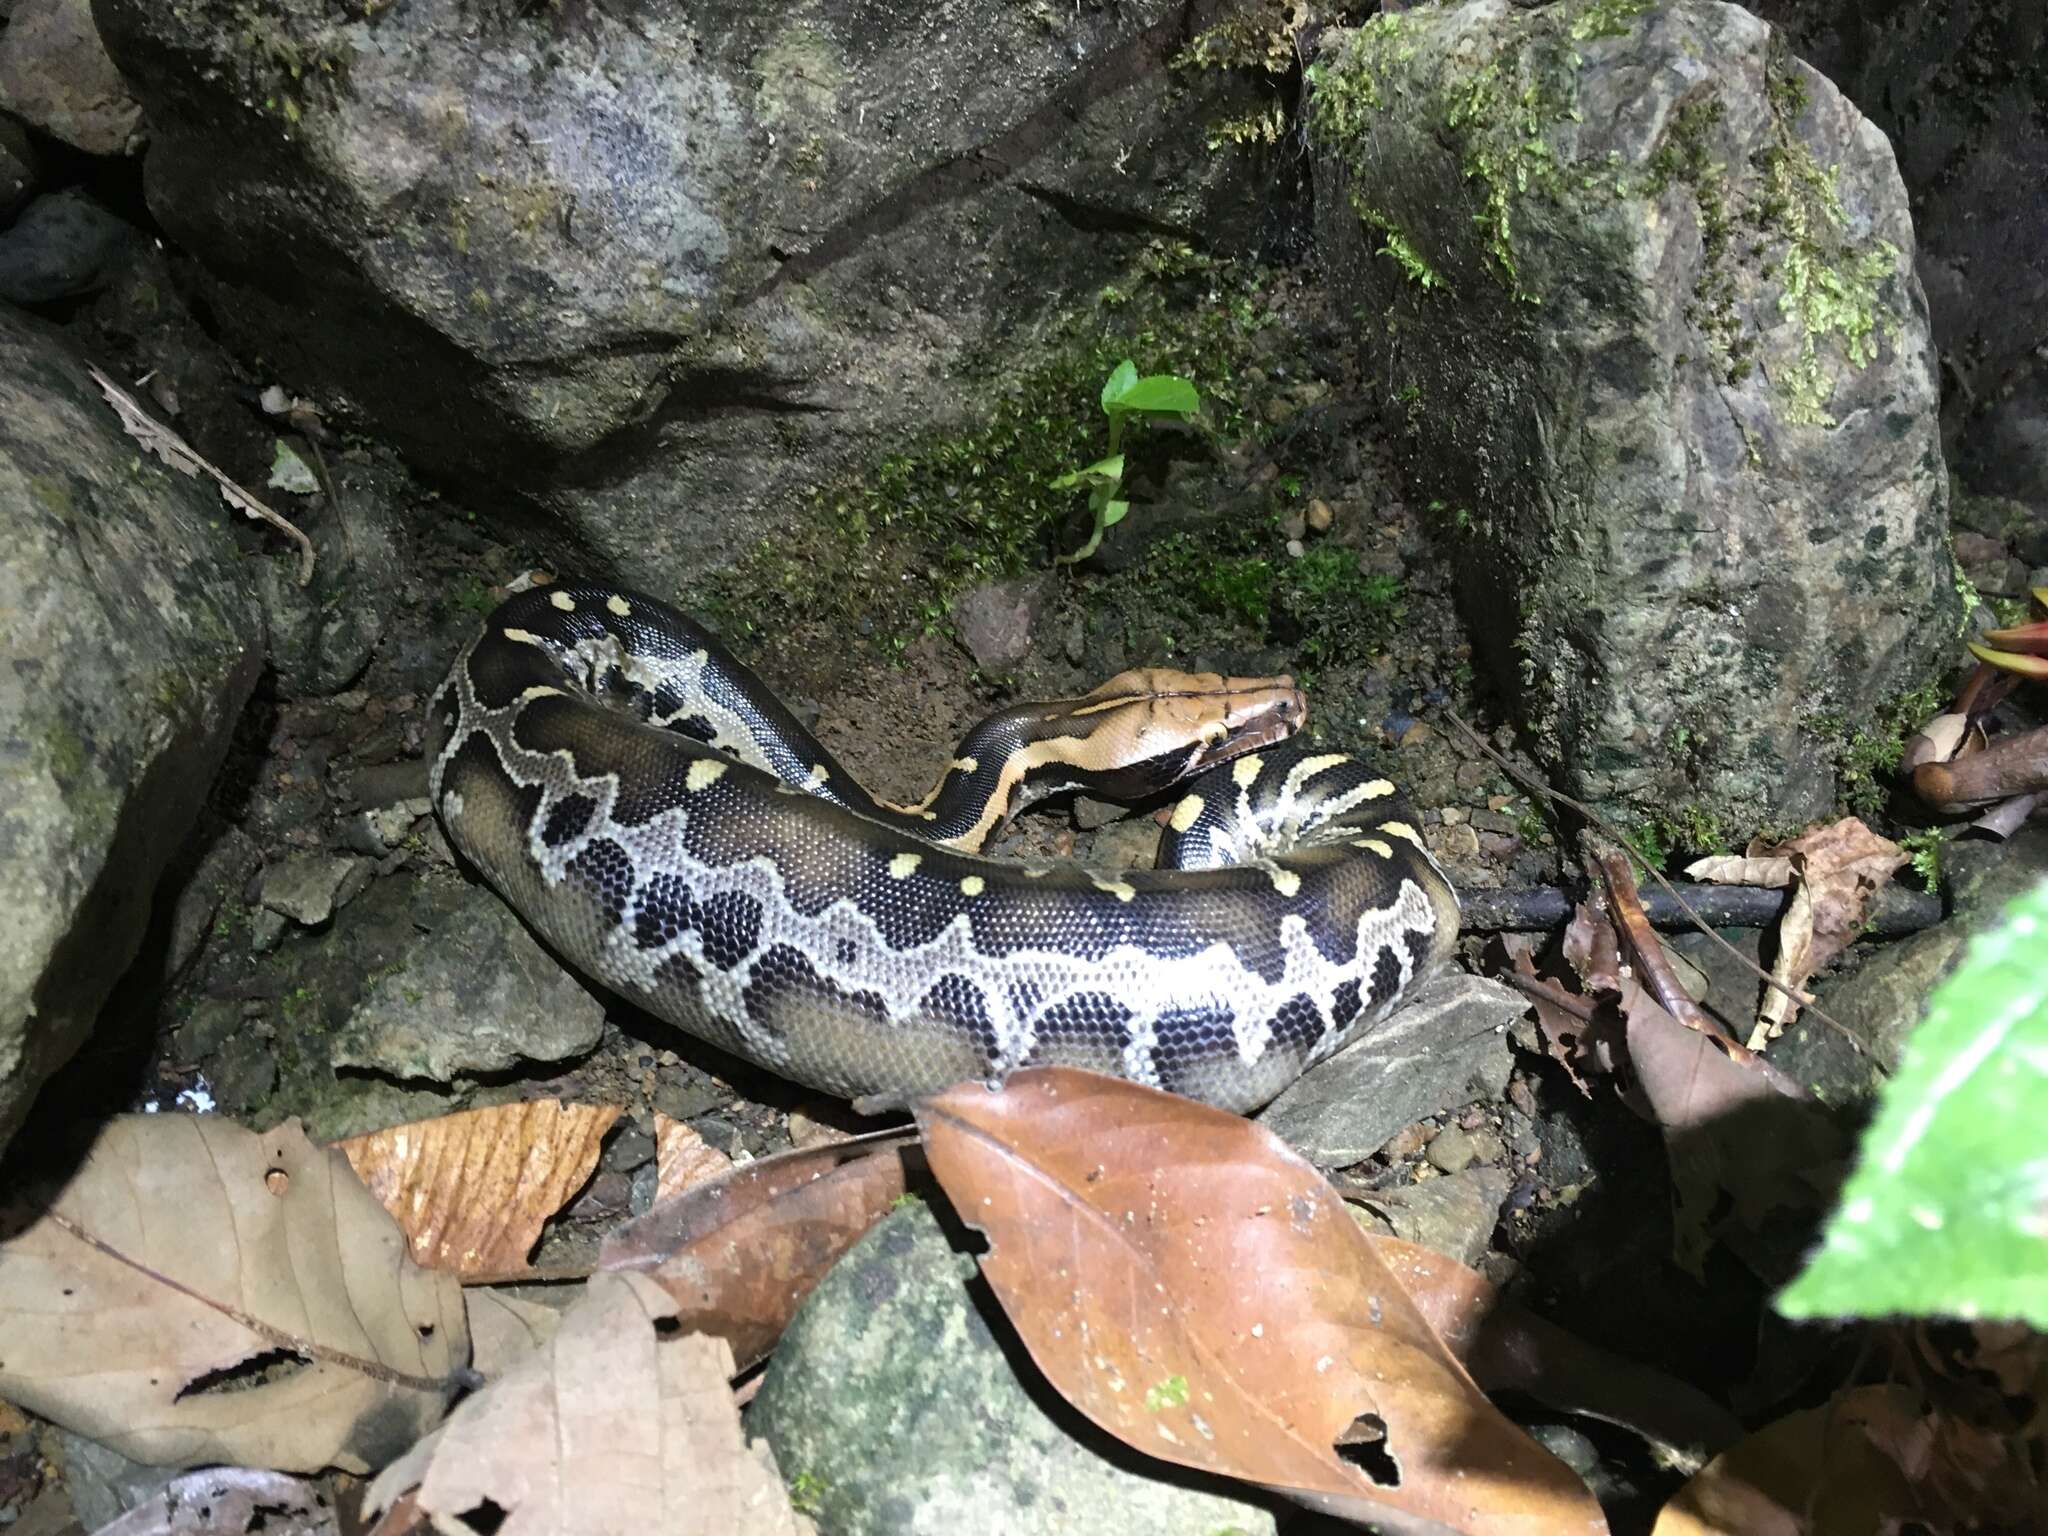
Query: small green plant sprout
{"points": [[1125, 397]]}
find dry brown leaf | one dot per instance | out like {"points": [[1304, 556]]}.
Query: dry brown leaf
{"points": [[503, 1330], [1841, 867], [683, 1159], [161, 441], [230, 1501], [740, 1253], [619, 1424], [1508, 1348], [1774, 871], [1194, 1286], [1821, 1470], [474, 1189], [197, 1292]]}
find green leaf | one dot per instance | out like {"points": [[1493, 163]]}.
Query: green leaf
{"points": [[1160, 394], [1947, 1212], [1113, 512], [1109, 471], [1113, 388]]}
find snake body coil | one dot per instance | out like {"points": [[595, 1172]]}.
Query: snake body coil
{"points": [[645, 803]]}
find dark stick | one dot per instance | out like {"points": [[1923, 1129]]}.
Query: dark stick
{"points": [[1895, 912]]}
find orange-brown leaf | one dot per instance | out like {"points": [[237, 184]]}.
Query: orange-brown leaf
{"points": [[739, 1253], [472, 1190], [1508, 1348], [683, 1159], [1195, 1287]]}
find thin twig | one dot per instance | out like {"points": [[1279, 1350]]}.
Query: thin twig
{"points": [[376, 1369], [1547, 991], [1536, 786]]}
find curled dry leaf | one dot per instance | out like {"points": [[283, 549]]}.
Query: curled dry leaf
{"points": [[1193, 1286], [1827, 1469], [1773, 870], [503, 1330], [1508, 1348], [166, 445], [196, 1292], [230, 1501], [473, 1190], [740, 1253], [1840, 867], [683, 1159], [618, 1424]]}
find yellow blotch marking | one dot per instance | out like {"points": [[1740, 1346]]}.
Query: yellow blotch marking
{"points": [[1374, 845], [563, 601], [967, 764], [1377, 789], [904, 865], [1311, 766], [540, 691], [619, 606], [972, 886], [1246, 770], [1286, 882], [1112, 887], [1037, 871], [1186, 813], [522, 636], [1401, 829], [820, 773], [704, 772], [699, 658]]}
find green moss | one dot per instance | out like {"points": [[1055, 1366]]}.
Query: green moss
{"points": [[1343, 612], [1867, 758], [886, 553], [1607, 18], [1398, 246], [1689, 828], [52, 495], [1925, 848], [66, 754]]}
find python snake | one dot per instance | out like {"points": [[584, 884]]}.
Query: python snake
{"points": [[648, 806]]}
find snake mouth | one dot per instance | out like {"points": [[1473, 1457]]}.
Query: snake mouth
{"points": [[1268, 721]]}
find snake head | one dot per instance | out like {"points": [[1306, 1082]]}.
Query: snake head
{"points": [[1150, 728]]}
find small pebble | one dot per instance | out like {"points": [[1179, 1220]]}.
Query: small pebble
{"points": [[1453, 1151], [1404, 1144], [1320, 516], [1296, 549]]}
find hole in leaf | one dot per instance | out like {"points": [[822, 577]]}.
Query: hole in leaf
{"points": [[426, 1331], [258, 1370], [485, 1518], [1364, 1446], [667, 1327]]}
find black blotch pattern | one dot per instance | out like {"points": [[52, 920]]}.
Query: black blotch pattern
{"points": [[1344, 1004], [784, 980], [666, 911], [605, 872], [1386, 975], [1093, 1018], [1418, 942], [566, 820], [1299, 1023], [1184, 1040], [958, 1000], [731, 922]]}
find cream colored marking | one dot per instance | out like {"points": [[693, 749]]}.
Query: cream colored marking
{"points": [[1037, 871], [563, 601], [820, 773], [1374, 845], [540, 691], [524, 637], [972, 886], [1285, 881], [904, 865], [700, 658], [1309, 767], [1247, 769], [1186, 813], [1402, 829], [1377, 789], [619, 606], [704, 772], [923, 807], [1109, 886]]}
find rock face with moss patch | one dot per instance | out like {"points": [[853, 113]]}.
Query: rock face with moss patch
{"points": [[665, 271], [1643, 283], [132, 644]]}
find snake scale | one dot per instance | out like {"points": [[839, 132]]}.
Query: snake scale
{"points": [[659, 817]]}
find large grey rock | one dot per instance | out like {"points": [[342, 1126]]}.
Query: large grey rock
{"points": [[893, 1404], [476, 995], [20, 168], [55, 73], [64, 244], [1446, 1047], [1643, 283], [132, 643], [665, 270]]}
